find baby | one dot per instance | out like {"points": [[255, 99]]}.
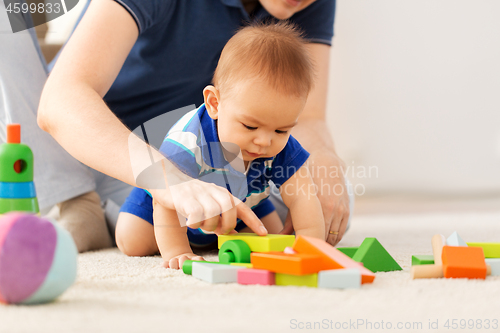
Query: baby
{"points": [[260, 88]]}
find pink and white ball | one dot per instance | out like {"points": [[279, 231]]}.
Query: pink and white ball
{"points": [[38, 259]]}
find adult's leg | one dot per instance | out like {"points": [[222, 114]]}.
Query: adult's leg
{"points": [[58, 176]]}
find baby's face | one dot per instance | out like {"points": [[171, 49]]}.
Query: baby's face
{"points": [[257, 118]]}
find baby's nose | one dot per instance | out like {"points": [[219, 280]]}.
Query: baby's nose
{"points": [[263, 140]]}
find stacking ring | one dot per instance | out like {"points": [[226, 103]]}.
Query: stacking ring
{"points": [[334, 232]]}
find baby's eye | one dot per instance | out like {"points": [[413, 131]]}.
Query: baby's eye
{"points": [[281, 132], [250, 127]]}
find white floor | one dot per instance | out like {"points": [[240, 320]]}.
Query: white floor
{"points": [[115, 293]]}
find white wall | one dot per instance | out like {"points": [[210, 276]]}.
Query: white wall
{"points": [[415, 92]]}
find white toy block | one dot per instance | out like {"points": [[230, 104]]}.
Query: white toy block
{"points": [[495, 265], [215, 273], [455, 240], [289, 250], [340, 278]]}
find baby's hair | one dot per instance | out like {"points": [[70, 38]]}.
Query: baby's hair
{"points": [[274, 52]]}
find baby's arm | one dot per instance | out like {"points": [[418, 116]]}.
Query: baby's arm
{"points": [[299, 195], [171, 238]]}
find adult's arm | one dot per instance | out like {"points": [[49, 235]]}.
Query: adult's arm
{"points": [[72, 110], [313, 134]]}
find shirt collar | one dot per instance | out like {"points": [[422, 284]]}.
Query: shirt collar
{"points": [[259, 15]]}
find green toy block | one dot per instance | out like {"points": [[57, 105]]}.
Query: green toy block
{"points": [[10, 153], [29, 205], [234, 250], [187, 266], [348, 251], [491, 250], [422, 260], [309, 280], [261, 243], [374, 257]]}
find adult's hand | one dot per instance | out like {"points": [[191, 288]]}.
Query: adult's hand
{"points": [[207, 206]]}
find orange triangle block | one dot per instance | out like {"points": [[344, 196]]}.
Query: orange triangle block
{"points": [[331, 257], [279, 262]]}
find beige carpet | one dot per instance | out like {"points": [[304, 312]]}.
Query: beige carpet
{"points": [[115, 293]]}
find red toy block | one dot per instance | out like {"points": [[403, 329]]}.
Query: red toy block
{"points": [[279, 262], [256, 276], [463, 262], [330, 256]]}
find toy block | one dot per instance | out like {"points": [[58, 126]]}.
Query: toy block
{"points": [[279, 262], [256, 276], [455, 240], [213, 273], [422, 260], [426, 272], [495, 266], [289, 250], [463, 262], [17, 190], [234, 251], [434, 271], [331, 257], [268, 243], [241, 264], [19, 205], [348, 251], [340, 278], [375, 257], [491, 250], [309, 280], [187, 266], [437, 241]]}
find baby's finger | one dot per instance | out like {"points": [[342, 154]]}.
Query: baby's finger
{"points": [[183, 258], [173, 263]]}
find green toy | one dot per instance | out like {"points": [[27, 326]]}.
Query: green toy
{"points": [[348, 251], [375, 257], [491, 250], [17, 190], [187, 266], [422, 260], [234, 251]]}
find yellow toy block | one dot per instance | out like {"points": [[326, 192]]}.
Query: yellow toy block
{"points": [[309, 280], [241, 264], [491, 250], [257, 243]]}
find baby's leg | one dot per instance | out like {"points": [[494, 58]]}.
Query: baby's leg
{"points": [[135, 236]]}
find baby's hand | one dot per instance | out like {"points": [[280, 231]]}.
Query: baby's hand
{"points": [[177, 261]]}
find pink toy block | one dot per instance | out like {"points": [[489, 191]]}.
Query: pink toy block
{"points": [[289, 250], [256, 276]]}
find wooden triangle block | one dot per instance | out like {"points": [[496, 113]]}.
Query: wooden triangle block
{"points": [[375, 257], [331, 257]]}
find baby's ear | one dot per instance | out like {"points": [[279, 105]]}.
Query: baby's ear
{"points": [[211, 96]]}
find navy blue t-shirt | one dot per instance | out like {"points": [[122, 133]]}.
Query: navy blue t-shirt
{"points": [[178, 48]]}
